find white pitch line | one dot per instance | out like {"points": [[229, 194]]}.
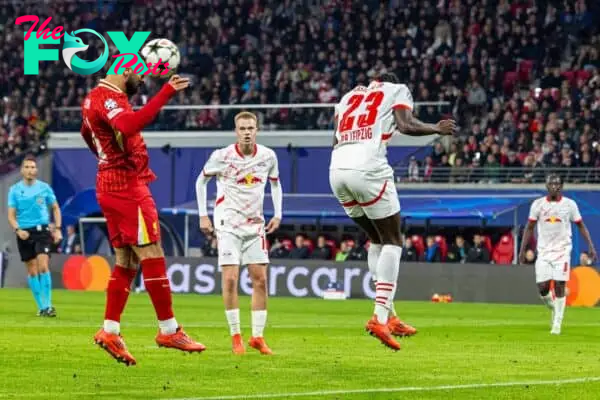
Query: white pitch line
{"points": [[394, 390]]}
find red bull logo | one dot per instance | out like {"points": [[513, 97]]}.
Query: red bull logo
{"points": [[553, 220], [249, 180]]}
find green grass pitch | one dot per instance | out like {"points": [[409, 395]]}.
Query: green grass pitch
{"points": [[321, 348]]}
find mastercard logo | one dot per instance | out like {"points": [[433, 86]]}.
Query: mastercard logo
{"points": [[584, 287], [86, 273]]}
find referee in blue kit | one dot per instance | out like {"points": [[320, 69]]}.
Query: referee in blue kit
{"points": [[28, 202]]}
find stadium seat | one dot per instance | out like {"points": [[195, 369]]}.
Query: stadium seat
{"points": [[287, 243], [504, 250], [487, 242], [583, 75], [525, 70], [419, 244], [570, 76], [441, 241], [331, 243], [310, 244]]}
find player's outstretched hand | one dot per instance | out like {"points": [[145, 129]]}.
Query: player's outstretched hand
{"points": [[206, 226], [179, 83], [446, 127], [273, 225]]}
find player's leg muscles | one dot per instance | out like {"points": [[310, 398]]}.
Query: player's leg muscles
{"points": [[43, 262], [117, 291], [34, 282], [258, 276], [560, 288], [229, 284], [388, 265], [543, 288], [154, 270], [375, 247]]}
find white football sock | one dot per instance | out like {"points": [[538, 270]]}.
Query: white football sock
{"points": [[113, 327], [168, 326], [259, 320], [372, 258], [548, 299], [559, 310], [233, 319], [387, 276]]}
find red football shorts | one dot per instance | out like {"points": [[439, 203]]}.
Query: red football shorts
{"points": [[131, 216]]}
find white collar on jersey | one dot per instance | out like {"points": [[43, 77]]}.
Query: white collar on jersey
{"points": [[239, 151]]}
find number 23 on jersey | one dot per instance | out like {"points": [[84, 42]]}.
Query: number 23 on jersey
{"points": [[361, 112]]}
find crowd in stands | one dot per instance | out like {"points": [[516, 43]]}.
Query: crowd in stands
{"points": [[521, 77], [416, 248]]}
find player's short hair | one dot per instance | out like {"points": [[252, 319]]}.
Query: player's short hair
{"points": [[246, 115], [28, 157], [554, 176], [388, 77]]}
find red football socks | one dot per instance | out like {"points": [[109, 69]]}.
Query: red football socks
{"points": [[157, 284], [117, 292]]}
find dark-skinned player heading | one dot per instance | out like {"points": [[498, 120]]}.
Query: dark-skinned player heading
{"points": [[112, 131], [553, 215], [363, 182]]}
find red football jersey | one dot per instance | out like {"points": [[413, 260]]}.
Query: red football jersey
{"points": [[122, 159]]}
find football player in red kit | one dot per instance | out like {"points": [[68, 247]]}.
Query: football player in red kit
{"points": [[111, 130]]}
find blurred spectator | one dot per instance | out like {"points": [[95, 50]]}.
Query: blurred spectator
{"points": [[278, 250], [321, 251], [478, 253], [357, 253], [342, 255], [432, 251], [459, 251], [409, 253], [211, 250], [69, 241], [300, 250]]}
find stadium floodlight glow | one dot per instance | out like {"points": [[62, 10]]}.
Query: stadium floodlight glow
{"points": [[128, 49]]}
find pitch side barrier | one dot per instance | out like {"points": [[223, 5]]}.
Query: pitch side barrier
{"points": [[306, 278]]}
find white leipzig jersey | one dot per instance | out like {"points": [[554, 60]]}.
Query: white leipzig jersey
{"points": [[365, 122], [554, 227], [241, 184]]}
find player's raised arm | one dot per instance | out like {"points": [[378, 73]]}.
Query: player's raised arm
{"points": [[409, 125], [132, 122]]}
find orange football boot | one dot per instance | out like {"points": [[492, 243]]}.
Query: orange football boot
{"points": [[259, 344], [115, 346], [382, 332], [399, 328], [180, 341], [237, 345]]}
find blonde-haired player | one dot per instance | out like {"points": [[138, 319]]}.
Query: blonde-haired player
{"points": [[553, 215], [363, 182], [242, 170]]}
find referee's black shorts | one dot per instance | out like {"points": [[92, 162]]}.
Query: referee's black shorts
{"points": [[39, 242]]}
